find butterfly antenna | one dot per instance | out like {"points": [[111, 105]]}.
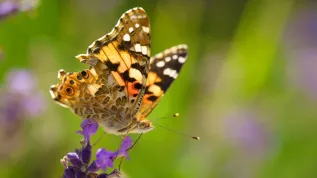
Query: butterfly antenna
{"points": [[98, 140], [166, 117], [180, 133]]}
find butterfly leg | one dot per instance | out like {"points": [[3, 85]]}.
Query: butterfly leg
{"points": [[97, 141]]}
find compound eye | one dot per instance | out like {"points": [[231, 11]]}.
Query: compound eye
{"points": [[69, 91], [143, 124], [84, 74]]}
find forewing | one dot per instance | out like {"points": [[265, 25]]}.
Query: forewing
{"points": [[125, 51]]}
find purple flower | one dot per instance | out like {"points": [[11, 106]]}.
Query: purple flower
{"points": [[80, 158], [89, 128], [7, 8]]}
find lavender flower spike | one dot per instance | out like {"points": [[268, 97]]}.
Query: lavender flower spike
{"points": [[80, 158]]}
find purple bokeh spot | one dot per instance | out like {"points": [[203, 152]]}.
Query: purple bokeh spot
{"points": [[301, 43], [20, 100], [34, 105], [7, 8], [303, 72], [20, 81], [11, 108], [244, 130]]}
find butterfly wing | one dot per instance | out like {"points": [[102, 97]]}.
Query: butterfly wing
{"points": [[125, 51], [111, 90], [164, 69]]}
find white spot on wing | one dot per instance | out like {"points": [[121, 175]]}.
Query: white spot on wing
{"points": [[174, 49], [146, 29], [175, 56], [137, 25], [131, 29], [167, 71], [160, 64], [144, 50], [170, 72], [181, 59], [168, 59], [126, 37], [159, 55], [173, 73], [137, 47]]}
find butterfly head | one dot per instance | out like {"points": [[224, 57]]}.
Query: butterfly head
{"points": [[70, 88], [142, 127]]}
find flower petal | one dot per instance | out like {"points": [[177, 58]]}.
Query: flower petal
{"points": [[105, 158], [126, 144], [89, 128], [74, 159]]}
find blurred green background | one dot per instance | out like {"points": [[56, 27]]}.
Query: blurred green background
{"points": [[248, 88]]}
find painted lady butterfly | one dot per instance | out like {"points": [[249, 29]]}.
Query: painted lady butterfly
{"points": [[123, 83]]}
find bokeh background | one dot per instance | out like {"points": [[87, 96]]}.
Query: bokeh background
{"points": [[248, 89]]}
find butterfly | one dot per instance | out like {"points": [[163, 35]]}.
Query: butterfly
{"points": [[123, 83]]}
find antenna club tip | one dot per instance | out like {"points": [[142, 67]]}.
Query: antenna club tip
{"points": [[176, 115], [196, 138]]}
